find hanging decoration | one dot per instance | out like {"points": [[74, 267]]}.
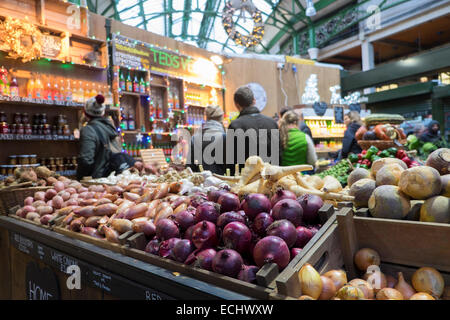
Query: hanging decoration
{"points": [[21, 39], [311, 94], [227, 20]]}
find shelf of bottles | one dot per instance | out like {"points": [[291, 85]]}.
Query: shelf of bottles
{"points": [[325, 128], [48, 89], [133, 82]]}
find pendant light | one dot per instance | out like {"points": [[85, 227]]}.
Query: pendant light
{"points": [[310, 10]]}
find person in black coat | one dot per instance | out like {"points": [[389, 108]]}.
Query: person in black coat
{"points": [[349, 144], [302, 126], [431, 134], [254, 142]]}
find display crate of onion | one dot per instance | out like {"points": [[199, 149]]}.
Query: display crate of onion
{"points": [[398, 260], [213, 237]]}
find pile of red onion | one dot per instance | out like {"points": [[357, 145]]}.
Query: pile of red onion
{"points": [[235, 238]]}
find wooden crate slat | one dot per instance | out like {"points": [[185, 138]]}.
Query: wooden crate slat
{"points": [[150, 156]]}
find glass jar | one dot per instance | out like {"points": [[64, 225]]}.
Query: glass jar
{"points": [[17, 118], [40, 130], [66, 130], [25, 118], [3, 117], [60, 167], [47, 130], [10, 170], [54, 130], [33, 159], [37, 119], [4, 128], [13, 128], [27, 129], [20, 129], [52, 167], [74, 160], [3, 170], [43, 161], [60, 131], [60, 120], [24, 159], [51, 161], [12, 160], [43, 118]]}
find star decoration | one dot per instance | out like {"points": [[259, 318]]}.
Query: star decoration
{"points": [[139, 137], [170, 114]]}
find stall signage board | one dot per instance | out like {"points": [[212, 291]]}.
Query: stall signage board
{"points": [[51, 46], [92, 276], [42, 284]]}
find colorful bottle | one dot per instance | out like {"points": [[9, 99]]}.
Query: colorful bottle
{"points": [[124, 123], [48, 95], [135, 84], [39, 88], [142, 86], [56, 93], [68, 93], [75, 97], [14, 87], [122, 81], [80, 92], [30, 88], [87, 92], [129, 83], [131, 122], [93, 92], [62, 91]]}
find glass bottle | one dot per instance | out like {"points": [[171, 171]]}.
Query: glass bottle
{"points": [[142, 86], [124, 122], [122, 81], [30, 88], [94, 91], [39, 88], [129, 82], [2, 82], [87, 92], [131, 122], [56, 91], [14, 87], [80, 92], [62, 90], [48, 94]]}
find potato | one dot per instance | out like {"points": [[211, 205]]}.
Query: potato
{"points": [[389, 174], [376, 165], [436, 209], [28, 201], [389, 202], [420, 183], [27, 209], [50, 193], [71, 190], [43, 210], [362, 190], [32, 216], [38, 203], [58, 186], [64, 195], [57, 202], [45, 219], [40, 195], [358, 174], [445, 180]]}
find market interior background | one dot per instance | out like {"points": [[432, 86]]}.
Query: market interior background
{"points": [[159, 64]]}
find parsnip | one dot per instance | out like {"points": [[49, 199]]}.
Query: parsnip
{"points": [[314, 181], [331, 184], [275, 173], [288, 184], [301, 180]]}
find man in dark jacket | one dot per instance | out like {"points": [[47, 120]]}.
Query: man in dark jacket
{"points": [[431, 134], [93, 158], [349, 143], [252, 132], [303, 127]]}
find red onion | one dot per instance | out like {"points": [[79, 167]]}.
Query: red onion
{"points": [[192, 257], [294, 252], [166, 247], [285, 230], [213, 195], [248, 273], [288, 209], [204, 235], [227, 217], [271, 249], [182, 250], [281, 195], [311, 205], [186, 218], [229, 202], [314, 229], [198, 198], [188, 233], [227, 262], [261, 222], [208, 211], [303, 236], [254, 204], [202, 258], [237, 236], [166, 229], [153, 246]]}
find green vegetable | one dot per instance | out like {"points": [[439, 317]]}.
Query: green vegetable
{"points": [[364, 166], [413, 142], [385, 154], [374, 158], [392, 150], [353, 157], [428, 147], [370, 152]]}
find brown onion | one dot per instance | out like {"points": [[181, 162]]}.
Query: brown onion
{"points": [[305, 297], [428, 280], [310, 281], [365, 287], [328, 289], [349, 292], [391, 281], [389, 294], [377, 280], [366, 257], [339, 278], [405, 289], [421, 296]]}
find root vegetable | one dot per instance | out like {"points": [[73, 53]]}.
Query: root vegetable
{"points": [[40, 195], [105, 209], [366, 257], [404, 288], [162, 191], [93, 221], [339, 278], [378, 164], [91, 232], [136, 211], [57, 202], [436, 209], [445, 185], [64, 195], [365, 287], [43, 210], [68, 219], [440, 160], [145, 226], [420, 183], [103, 201], [32, 216], [88, 202], [389, 294], [38, 203], [389, 174], [414, 213], [28, 201], [50, 193], [349, 292], [421, 296], [331, 184], [86, 212], [362, 190], [275, 173], [328, 289], [58, 186], [131, 196], [311, 282], [110, 234], [358, 174], [314, 181], [45, 219], [388, 202], [122, 225], [428, 280], [27, 209]]}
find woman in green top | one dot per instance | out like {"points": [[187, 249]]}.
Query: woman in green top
{"points": [[298, 148]]}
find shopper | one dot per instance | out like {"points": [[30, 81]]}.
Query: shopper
{"points": [[431, 133], [211, 130], [303, 127], [251, 120], [298, 147], [349, 144], [99, 150]]}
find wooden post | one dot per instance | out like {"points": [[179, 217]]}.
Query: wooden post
{"points": [[40, 11], [137, 241], [362, 212], [267, 274], [325, 212], [124, 236], [349, 242]]}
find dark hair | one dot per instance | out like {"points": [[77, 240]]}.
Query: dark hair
{"points": [[244, 97], [284, 110]]}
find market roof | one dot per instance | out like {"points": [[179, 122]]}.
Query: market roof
{"points": [[199, 22]]}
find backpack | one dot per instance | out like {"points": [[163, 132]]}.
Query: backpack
{"points": [[117, 161]]}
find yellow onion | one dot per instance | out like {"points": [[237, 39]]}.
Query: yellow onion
{"points": [[365, 287], [405, 289], [428, 280], [366, 257], [310, 281], [391, 281], [339, 277], [377, 280], [421, 296], [389, 294], [328, 289], [305, 297], [348, 292]]}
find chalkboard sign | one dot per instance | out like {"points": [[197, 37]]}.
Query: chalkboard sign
{"points": [[338, 114], [320, 108], [41, 284], [355, 107]]}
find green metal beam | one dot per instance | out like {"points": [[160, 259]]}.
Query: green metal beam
{"points": [[415, 89], [207, 20], [186, 18], [430, 61], [170, 4], [142, 14]]}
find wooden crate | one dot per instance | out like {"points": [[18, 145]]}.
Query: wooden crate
{"points": [[150, 156], [404, 246]]}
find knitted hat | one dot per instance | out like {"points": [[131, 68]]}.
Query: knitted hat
{"points": [[214, 113], [94, 106]]}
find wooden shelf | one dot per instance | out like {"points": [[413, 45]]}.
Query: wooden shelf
{"points": [[325, 150], [52, 138], [35, 102], [136, 94], [193, 105], [328, 137]]}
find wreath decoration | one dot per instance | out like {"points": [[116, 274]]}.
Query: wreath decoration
{"points": [[227, 21], [21, 39]]}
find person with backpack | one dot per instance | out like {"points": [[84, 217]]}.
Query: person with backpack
{"points": [[100, 149]]}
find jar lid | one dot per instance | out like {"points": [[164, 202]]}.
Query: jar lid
{"points": [[13, 156], [24, 156]]}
